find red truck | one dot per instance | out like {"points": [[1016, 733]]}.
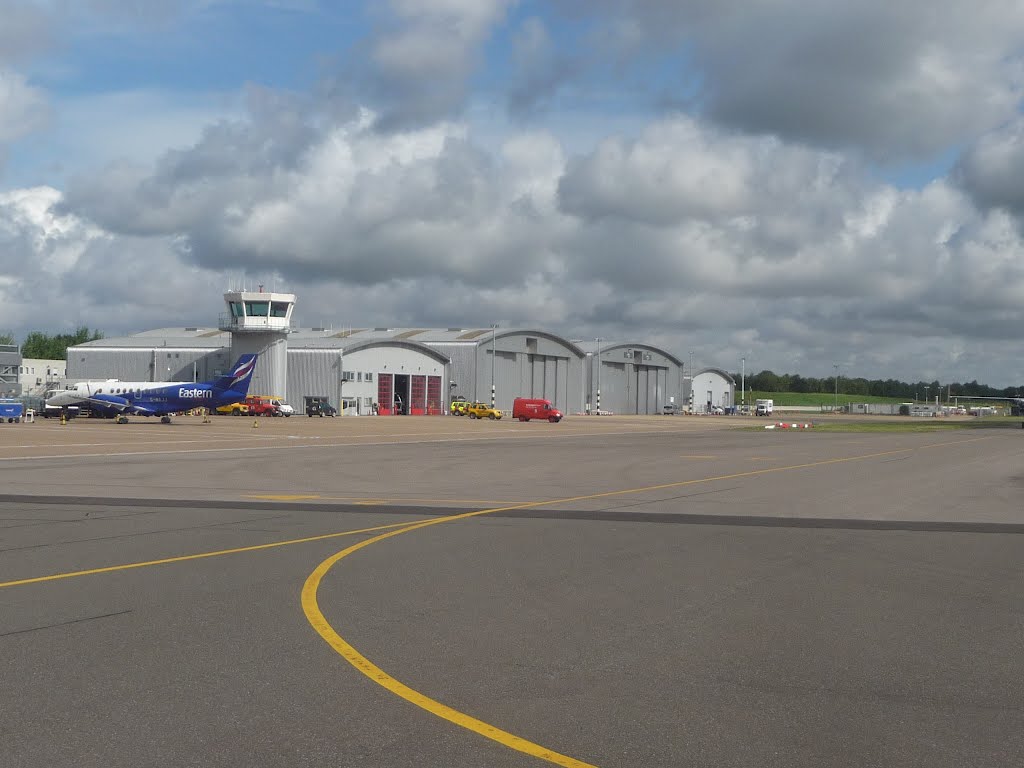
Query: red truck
{"points": [[526, 408], [261, 406]]}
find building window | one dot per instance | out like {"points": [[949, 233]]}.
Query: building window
{"points": [[279, 309]]}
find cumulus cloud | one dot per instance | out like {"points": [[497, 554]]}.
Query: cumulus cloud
{"points": [[992, 169], [23, 109], [744, 228], [539, 70], [681, 233], [423, 55], [896, 80]]}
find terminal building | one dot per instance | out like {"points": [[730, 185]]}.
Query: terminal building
{"points": [[395, 371]]}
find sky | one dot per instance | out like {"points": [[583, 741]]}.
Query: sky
{"points": [[747, 183]]}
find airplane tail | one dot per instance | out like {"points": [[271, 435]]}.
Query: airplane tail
{"points": [[240, 376]]}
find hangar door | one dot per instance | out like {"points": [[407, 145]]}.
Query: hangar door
{"points": [[649, 389], [546, 377], [628, 388], [403, 394]]}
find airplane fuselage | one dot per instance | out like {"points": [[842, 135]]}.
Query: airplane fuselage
{"points": [[148, 398]]}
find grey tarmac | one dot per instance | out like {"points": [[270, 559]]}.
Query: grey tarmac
{"points": [[660, 591]]}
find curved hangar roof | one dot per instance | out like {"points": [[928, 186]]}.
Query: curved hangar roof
{"points": [[590, 347], [421, 339]]}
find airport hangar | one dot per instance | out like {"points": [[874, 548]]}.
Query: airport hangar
{"points": [[413, 371]]}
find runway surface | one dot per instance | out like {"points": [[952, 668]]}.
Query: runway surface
{"points": [[660, 591]]}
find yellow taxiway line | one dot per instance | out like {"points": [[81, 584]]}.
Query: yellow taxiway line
{"points": [[196, 556], [316, 618], [319, 622]]}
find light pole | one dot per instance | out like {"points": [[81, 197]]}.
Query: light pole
{"points": [[690, 404], [494, 329], [835, 405], [926, 395], [743, 383], [599, 340]]}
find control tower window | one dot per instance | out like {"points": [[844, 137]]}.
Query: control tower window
{"points": [[257, 308], [236, 309], [279, 309]]}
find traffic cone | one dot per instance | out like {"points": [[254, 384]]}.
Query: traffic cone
{"points": [[255, 423]]}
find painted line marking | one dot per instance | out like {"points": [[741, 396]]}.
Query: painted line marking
{"points": [[693, 456], [396, 499], [196, 556], [350, 443], [317, 620], [523, 505], [285, 496]]}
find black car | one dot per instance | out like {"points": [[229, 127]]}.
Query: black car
{"points": [[321, 410]]}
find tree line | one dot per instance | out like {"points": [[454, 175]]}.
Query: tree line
{"points": [[43, 346], [768, 381]]}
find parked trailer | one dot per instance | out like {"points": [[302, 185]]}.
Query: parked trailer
{"points": [[11, 411]]}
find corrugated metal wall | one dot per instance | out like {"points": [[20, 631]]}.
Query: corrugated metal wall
{"points": [[650, 389], [147, 364], [270, 376], [634, 389], [711, 385], [528, 365], [462, 371], [313, 373], [317, 373]]}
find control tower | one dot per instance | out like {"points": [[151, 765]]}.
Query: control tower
{"points": [[259, 324]]}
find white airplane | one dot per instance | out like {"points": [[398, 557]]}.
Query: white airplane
{"points": [[117, 399]]}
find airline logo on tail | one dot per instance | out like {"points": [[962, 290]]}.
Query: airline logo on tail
{"points": [[242, 370]]}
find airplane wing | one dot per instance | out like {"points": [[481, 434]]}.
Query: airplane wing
{"points": [[118, 404]]}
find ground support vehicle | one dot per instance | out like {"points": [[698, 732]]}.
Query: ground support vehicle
{"points": [[764, 407], [266, 405], [260, 406], [321, 409], [55, 411], [11, 411], [482, 411], [526, 408], [459, 405], [233, 409]]}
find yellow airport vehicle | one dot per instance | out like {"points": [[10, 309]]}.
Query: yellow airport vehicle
{"points": [[482, 411]]}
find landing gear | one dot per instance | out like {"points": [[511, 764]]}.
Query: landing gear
{"points": [[165, 419], [120, 419]]}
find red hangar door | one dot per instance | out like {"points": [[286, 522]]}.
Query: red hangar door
{"points": [[424, 395], [385, 393]]}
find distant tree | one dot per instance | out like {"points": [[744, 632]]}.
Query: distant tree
{"points": [[6, 337], [39, 345], [765, 381]]}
